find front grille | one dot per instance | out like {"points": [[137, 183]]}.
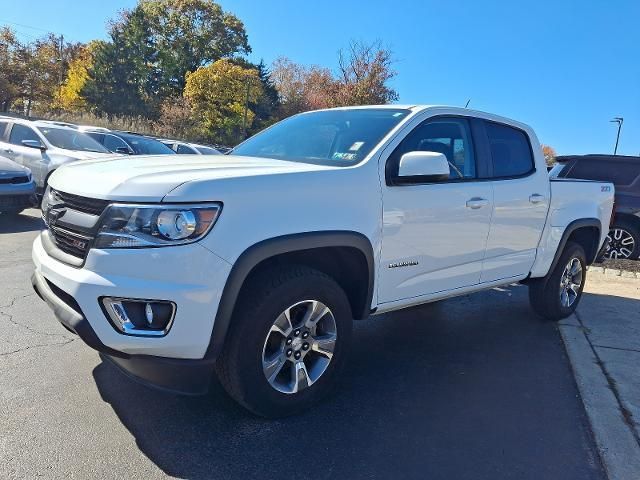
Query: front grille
{"points": [[93, 206], [14, 180], [70, 242]]}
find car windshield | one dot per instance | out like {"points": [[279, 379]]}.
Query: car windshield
{"points": [[341, 137], [71, 140], [147, 146], [207, 150]]}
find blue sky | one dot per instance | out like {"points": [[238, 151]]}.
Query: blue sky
{"points": [[564, 67]]}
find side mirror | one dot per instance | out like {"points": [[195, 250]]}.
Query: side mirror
{"points": [[34, 144], [124, 150], [423, 167]]}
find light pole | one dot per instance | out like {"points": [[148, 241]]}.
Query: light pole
{"points": [[619, 121]]}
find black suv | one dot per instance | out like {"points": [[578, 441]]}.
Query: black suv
{"points": [[624, 173]]}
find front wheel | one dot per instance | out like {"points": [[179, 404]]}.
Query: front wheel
{"points": [[287, 341], [557, 295]]}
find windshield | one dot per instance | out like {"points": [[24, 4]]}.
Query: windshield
{"points": [[207, 150], [328, 137], [71, 140], [147, 146]]}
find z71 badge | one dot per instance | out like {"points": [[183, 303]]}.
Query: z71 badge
{"points": [[605, 188]]}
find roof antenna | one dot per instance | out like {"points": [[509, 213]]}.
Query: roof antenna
{"points": [[467, 104]]}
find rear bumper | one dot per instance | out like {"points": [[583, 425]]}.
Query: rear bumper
{"points": [[185, 376]]}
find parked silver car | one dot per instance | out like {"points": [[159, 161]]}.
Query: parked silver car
{"points": [[17, 188], [185, 148], [44, 146]]}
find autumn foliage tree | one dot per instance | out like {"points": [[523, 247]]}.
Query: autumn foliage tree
{"points": [[219, 95], [549, 154]]}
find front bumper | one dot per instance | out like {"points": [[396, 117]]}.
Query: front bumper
{"points": [[16, 197], [189, 275]]}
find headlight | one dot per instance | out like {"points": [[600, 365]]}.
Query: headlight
{"points": [[134, 226]]}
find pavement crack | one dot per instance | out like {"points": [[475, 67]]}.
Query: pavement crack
{"points": [[10, 318], [39, 345]]}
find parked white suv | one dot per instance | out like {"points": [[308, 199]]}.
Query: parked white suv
{"points": [[43, 146], [254, 264]]}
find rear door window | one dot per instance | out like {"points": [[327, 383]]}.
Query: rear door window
{"points": [[510, 149]]}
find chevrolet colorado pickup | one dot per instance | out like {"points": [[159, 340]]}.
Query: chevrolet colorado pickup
{"points": [[254, 265]]}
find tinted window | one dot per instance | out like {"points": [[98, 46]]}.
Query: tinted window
{"points": [[449, 136], [510, 150], [146, 146], [186, 150], [112, 143], [22, 132], [69, 139], [330, 137], [618, 173]]}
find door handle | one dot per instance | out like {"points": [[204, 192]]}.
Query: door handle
{"points": [[477, 202], [8, 150], [536, 198]]}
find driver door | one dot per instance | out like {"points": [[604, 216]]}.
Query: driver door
{"points": [[34, 159], [434, 234]]}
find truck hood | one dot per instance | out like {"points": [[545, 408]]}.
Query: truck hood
{"points": [[150, 178]]}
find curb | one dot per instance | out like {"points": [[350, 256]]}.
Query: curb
{"points": [[613, 272], [615, 441]]}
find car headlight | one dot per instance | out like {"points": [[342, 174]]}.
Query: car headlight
{"points": [[135, 226]]}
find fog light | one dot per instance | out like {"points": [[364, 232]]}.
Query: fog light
{"points": [[145, 318]]}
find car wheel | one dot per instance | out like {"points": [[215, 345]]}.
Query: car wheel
{"points": [[287, 341], [557, 295], [624, 241]]}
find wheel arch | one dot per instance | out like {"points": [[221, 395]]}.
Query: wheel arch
{"points": [[344, 255], [584, 231]]}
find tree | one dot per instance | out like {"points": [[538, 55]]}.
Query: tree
{"points": [[363, 75], [549, 155], [188, 34], [69, 96], [218, 94], [124, 77], [302, 87], [11, 68], [364, 71]]}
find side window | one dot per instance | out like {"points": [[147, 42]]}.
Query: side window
{"points": [[510, 151], [449, 136], [20, 133], [112, 143], [185, 150], [3, 127]]}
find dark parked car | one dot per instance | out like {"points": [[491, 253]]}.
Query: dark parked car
{"points": [[17, 189], [624, 173], [129, 143]]}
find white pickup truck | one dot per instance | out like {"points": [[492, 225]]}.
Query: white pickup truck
{"points": [[254, 265]]}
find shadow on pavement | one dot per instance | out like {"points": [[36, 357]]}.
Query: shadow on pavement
{"points": [[20, 223], [475, 387]]}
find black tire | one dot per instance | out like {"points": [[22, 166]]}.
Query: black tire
{"points": [[545, 293], [634, 230], [239, 367]]}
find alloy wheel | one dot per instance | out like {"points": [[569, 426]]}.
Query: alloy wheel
{"points": [[621, 243], [299, 346], [570, 282]]}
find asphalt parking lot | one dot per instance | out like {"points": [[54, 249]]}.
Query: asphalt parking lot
{"points": [[469, 388]]}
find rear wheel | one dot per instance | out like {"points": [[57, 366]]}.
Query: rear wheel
{"points": [[557, 295], [287, 341], [624, 241]]}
